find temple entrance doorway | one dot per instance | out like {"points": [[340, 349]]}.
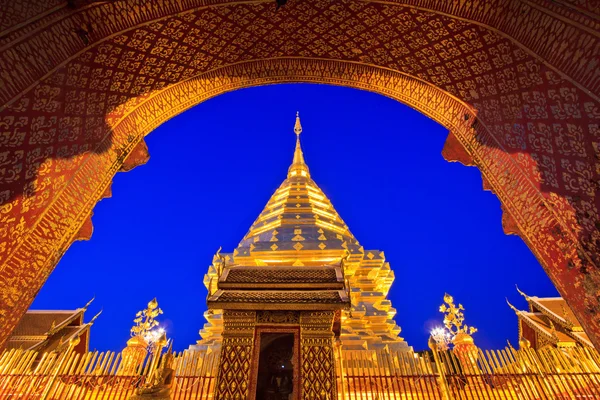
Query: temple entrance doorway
{"points": [[275, 377]]}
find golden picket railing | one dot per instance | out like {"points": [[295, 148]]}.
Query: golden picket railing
{"points": [[98, 376], [508, 374]]}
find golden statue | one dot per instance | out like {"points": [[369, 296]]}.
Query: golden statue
{"points": [[158, 385]]}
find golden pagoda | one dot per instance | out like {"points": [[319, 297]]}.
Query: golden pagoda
{"points": [[300, 227]]}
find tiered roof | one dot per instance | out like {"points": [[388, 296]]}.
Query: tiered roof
{"points": [[280, 288], [553, 321], [51, 330]]}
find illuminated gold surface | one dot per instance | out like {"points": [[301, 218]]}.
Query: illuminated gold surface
{"points": [[454, 319], [300, 227], [549, 322], [145, 320], [510, 374], [75, 109]]}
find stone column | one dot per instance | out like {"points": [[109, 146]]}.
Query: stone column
{"points": [[233, 379], [317, 363]]}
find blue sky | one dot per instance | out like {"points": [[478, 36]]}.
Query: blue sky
{"points": [[213, 168]]}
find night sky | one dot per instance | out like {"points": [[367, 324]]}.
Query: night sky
{"points": [[213, 168]]}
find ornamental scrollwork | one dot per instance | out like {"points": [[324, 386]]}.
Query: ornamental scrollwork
{"points": [[277, 317]]}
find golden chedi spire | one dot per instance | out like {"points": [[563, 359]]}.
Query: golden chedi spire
{"points": [[298, 167], [299, 225]]}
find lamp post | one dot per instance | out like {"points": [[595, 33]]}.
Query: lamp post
{"points": [[442, 338]]}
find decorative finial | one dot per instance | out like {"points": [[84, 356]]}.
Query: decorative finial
{"points": [[74, 341], [88, 303], [95, 318], [298, 167], [454, 318], [298, 126], [512, 307], [521, 293], [524, 343], [145, 320], [52, 328], [152, 304]]}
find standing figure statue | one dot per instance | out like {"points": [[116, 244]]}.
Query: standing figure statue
{"points": [[158, 386]]}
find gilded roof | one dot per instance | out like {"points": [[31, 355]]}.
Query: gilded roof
{"points": [[543, 325], [62, 338], [38, 323], [46, 331], [279, 299], [287, 296], [558, 307], [24, 344], [583, 338], [552, 317], [298, 219]]}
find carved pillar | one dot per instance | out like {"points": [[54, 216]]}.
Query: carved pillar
{"points": [[233, 379], [317, 357]]}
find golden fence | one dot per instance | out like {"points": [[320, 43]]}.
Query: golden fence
{"points": [[98, 376], [507, 374]]}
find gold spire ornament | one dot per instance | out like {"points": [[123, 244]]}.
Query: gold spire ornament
{"points": [[298, 167], [145, 320], [454, 318]]}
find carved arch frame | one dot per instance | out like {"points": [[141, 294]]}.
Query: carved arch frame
{"points": [[464, 143], [526, 211]]}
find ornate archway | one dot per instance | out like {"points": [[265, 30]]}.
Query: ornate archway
{"points": [[515, 81]]}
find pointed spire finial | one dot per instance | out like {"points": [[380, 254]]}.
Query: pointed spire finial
{"points": [[88, 303], [95, 318], [298, 167], [298, 126], [515, 309], [521, 293]]}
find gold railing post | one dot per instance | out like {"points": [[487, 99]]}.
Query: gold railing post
{"points": [[441, 376], [343, 389], [72, 343]]}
